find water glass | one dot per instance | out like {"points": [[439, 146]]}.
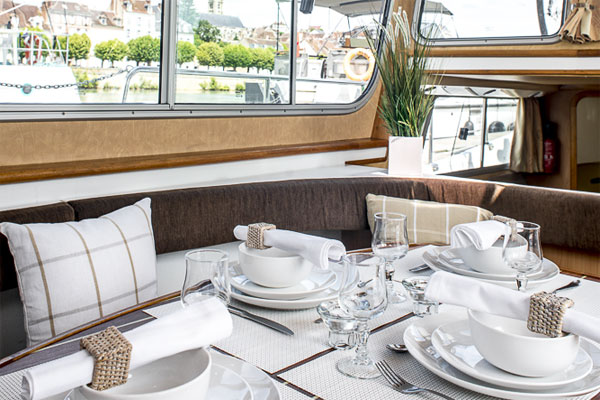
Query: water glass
{"points": [[522, 251], [363, 298], [415, 287], [206, 275], [341, 325], [390, 241]]}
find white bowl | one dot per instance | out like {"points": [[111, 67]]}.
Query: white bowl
{"points": [[273, 267], [181, 376], [507, 344], [488, 261]]}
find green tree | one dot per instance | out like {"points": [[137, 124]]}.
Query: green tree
{"points": [[143, 49], [206, 32], [187, 11], [79, 46], [263, 59], [185, 52], [111, 50], [210, 54], [237, 56]]}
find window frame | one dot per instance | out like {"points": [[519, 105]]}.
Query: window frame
{"points": [[168, 108], [481, 169], [482, 41]]}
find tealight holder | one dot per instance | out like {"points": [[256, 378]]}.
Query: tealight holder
{"points": [[342, 326], [415, 287]]}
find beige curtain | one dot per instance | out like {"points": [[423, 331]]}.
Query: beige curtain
{"points": [[527, 150], [583, 23]]}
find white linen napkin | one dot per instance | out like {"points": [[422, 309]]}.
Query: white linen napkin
{"points": [[195, 326], [493, 299], [315, 249], [482, 234]]}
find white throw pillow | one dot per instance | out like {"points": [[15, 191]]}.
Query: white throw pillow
{"points": [[74, 272]]}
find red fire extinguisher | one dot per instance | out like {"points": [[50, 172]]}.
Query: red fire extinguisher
{"points": [[550, 148]]}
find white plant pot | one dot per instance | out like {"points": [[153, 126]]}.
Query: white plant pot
{"points": [[405, 156]]}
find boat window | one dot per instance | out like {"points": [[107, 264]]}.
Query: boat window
{"points": [[78, 52], [334, 63], [153, 58], [469, 132], [447, 21]]}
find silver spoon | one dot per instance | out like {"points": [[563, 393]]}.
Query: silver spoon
{"points": [[397, 347]]}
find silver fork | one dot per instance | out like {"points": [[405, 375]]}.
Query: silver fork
{"points": [[400, 384]]}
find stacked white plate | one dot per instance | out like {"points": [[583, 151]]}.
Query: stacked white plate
{"points": [[319, 286], [443, 344], [444, 259], [230, 378]]}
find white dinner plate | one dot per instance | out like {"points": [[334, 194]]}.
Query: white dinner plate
{"points": [[549, 271], [417, 339], [454, 343], [318, 281], [230, 378], [330, 293]]}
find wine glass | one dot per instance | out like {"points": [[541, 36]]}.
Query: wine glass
{"points": [[363, 295], [522, 250], [206, 276], [390, 241]]}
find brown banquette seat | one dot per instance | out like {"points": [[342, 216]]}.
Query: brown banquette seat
{"points": [[196, 217]]}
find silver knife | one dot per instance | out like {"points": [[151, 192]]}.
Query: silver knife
{"points": [[260, 320], [419, 268]]}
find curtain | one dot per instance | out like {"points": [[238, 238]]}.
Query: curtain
{"points": [[527, 150], [583, 23]]}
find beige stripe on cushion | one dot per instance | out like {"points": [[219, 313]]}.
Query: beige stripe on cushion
{"points": [[89, 256], [135, 284], [44, 281]]}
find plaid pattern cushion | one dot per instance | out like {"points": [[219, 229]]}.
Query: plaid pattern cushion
{"points": [[428, 222], [74, 272]]}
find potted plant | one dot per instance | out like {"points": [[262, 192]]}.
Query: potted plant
{"points": [[405, 104]]}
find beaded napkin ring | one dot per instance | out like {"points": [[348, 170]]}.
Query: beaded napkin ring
{"points": [[546, 313], [112, 354], [256, 235]]}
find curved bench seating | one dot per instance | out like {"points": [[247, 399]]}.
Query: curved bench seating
{"points": [[198, 217]]}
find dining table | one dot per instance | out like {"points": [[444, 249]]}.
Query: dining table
{"points": [[303, 366]]}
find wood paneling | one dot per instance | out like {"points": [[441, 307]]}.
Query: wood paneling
{"points": [[577, 262], [23, 173]]}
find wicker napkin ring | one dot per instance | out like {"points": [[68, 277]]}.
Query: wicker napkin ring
{"points": [[256, 235], [546, 313], [112, 354]]}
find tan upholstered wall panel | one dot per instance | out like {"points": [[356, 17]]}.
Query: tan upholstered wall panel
{"points": [[23, 143]]}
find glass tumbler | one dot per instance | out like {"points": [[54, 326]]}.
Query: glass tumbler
{"points": [[415, 287], [206, 275], [342, 326]]}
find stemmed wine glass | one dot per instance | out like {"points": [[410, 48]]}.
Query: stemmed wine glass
{"points": [[390, 241], [522, 250], [363, 295]]}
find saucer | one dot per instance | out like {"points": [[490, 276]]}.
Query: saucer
{"points": [[316, 282], [417, 338], [454, 343]]}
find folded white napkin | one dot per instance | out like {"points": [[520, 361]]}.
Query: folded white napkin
{"points": [[315, 249], [193, 327], [482, 234], [493, 299]]}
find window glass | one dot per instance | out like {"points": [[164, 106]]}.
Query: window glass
{"points": [[500, 122], [456, 137], [83, 51], [333, 64], [464, 19], [234, 51]]}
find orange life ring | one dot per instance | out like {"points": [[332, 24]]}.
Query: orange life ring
{"points": [[34, 48], [350, 74]]}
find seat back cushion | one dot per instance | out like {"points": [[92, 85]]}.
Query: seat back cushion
{"points": [[74, 272], [428, 222], [58, 212]]}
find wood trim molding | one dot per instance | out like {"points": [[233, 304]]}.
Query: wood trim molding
{"points": [[573, 149], [541, 50], [33, 172]]}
